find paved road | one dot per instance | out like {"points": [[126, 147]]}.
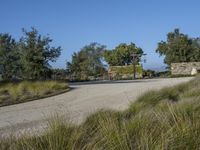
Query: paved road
{"points": [[82, 100]]}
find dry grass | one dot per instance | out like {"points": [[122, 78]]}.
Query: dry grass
{"points": [[12, 93]]}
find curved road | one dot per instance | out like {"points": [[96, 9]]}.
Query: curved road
{"points": [[83, 99]]}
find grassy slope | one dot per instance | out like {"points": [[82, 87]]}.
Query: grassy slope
{"points": [[165, 119], [13, 93]]}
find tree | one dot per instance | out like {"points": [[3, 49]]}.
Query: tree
{"points": [[179, 48], [196, 51], [87, 62], [9, 57], [121, 55], [36, 54], [59, 74]]}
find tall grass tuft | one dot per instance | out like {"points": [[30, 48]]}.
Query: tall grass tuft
{"points": [[11, 93]]}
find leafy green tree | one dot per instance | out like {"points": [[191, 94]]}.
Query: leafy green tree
{"points": [[121, 55], [179, 48], [74, 67], [87, 62], [196, 49], [9, 57], [36, 54]]}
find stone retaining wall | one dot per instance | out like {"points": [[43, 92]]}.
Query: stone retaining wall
{"points": [[189, 68]]}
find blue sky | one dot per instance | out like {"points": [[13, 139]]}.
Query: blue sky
{"points": [[75, 23]]}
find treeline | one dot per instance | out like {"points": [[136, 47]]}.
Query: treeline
{"points": [[91, 61], [28, 57]]}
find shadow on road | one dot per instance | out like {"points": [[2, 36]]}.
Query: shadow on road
{"points": [[113, 81]]}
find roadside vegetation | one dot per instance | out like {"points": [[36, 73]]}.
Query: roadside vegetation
{"points": [[164, 119], [25, 70], [18, 92]]}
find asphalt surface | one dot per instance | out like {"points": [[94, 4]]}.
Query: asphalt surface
{"points": [[84, 99]]}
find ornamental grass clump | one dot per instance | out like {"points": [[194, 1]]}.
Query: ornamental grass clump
{"points": [[16, 92]]}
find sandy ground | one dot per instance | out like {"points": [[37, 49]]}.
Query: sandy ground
{"points": [[77, 104]]}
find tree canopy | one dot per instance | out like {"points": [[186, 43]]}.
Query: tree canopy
{"points": [[27, 58], [36, 54], [179, 48], [87, 62], [121, 55], [9, 56]]}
